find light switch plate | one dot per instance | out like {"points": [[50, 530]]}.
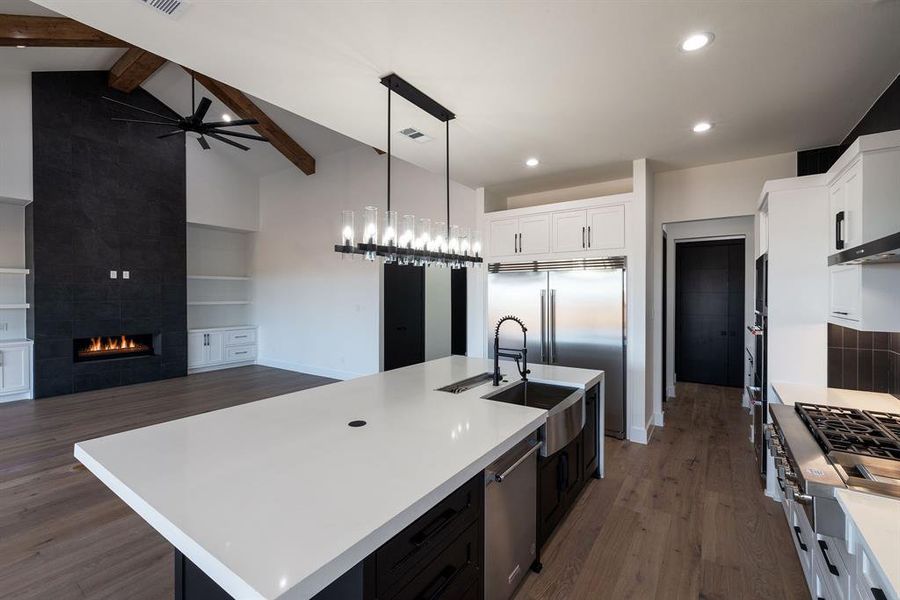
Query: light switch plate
{"points": [[113, 274], [126, 274]]}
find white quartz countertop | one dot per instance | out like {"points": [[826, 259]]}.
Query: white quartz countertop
{"points": [[791, 393], [278, 498], [878, 520]]}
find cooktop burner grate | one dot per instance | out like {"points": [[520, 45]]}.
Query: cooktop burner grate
{"points": [[854, 431]]}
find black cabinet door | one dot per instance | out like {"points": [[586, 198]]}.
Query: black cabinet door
{"points": [[589, 434], [551, 507], [572, 464]]}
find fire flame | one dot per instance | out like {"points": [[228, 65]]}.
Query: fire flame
{"points": [[98, 345]]}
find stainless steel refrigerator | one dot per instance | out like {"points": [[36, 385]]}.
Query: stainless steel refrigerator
{"points": [[575, 315]]}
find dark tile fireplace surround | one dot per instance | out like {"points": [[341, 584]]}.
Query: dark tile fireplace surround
{"points": [[107, 197], [868, 361]]}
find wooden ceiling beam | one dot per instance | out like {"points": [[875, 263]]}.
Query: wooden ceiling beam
{"points": [[244, 108], [133, 68], [57, 32]]}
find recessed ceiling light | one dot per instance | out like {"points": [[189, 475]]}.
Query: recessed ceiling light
{"points": [[532, 162], [226, 117], [702, 127], [20, 46], [697, 41]]}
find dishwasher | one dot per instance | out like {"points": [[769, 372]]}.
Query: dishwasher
{"points": [[510, 519]]}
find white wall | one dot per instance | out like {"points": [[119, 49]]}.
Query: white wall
{"points": [[590, 190], [15, 135], [220, 192], [437, 313], [730, 227], [709, 192], [317, 311]]}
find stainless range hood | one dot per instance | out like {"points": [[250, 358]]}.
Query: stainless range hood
{"points": [[882, 250]]}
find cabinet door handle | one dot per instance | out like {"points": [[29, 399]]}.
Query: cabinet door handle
{"points": [[520, 243], [878, 593], [239, 337], [589, 237], [437, 587], [582, 237], [831, 567], [839, 230], [840, 312], [800, 539]]}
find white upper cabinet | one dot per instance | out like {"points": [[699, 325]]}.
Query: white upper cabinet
{"points": [[504, 237], [575, 229], [570, 231], [534, 234], [606, 227], [864, 297], [863, 188], [845, 296]]}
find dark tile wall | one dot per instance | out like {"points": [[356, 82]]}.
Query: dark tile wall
{"points": [[863, 360], [107, 196]]}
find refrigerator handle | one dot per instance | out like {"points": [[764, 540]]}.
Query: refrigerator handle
{"points": [[543, 324], [552, 326]]}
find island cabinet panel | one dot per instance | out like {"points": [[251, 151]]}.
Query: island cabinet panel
{"points": [[559, 482], [589, 439], [438, 557]]}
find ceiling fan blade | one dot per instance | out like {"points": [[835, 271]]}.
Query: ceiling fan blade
{"points": [[171, 133], [142, 121], [232, 123], [203, 143], [149, 112], [246, 136], [216, 136], [202, 108]]}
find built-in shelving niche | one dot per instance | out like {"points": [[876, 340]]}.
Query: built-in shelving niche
{"points": [[219, 287]]}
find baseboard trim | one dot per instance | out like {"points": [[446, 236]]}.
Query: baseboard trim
{"points": [[308, 369], [16, 397], [220, 367], [639, 435], [659, 419], [670, 391]]}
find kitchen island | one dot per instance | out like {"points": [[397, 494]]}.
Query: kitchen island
{"points": [[281, 497]]}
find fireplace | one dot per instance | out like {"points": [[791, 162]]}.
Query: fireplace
{"points": [[114, 347]]}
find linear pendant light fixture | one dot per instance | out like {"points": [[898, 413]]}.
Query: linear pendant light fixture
{"points": [[409, 241]]}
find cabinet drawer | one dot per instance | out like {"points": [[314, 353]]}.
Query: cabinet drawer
{"points": [[240, 353], [425, 538], [804, 540], [832, 567], [242, 336], [451, 574]]}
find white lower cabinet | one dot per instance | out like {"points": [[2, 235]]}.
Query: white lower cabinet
{"points": [[210, 349], [15, 370]]}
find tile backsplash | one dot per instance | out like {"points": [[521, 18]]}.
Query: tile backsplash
{"points": [[863, 360]]}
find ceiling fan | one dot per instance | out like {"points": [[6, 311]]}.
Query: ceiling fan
{"points": [[194, 123]]}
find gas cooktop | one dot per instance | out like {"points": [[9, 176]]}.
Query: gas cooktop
{"points": [[853, 431]]}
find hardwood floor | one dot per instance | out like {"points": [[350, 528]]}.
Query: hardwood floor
{"points": [[683, 517], [63, 534]]}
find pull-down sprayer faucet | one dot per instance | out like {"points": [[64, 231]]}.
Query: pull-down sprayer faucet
{"points": [[514, 353]]}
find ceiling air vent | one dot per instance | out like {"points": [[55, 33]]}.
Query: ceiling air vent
{"points": [[169, 7], [415, 135]]}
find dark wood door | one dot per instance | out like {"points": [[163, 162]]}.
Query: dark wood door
{"points": [[404, 316], [709, 312]]}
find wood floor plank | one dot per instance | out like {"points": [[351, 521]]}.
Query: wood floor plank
{"points": [[684, 517]]}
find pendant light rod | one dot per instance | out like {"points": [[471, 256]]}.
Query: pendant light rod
{"points": [[389, 150], [447, 137]]}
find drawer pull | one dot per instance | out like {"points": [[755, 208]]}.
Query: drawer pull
{"points": [[440, 583], [240, 337], [800, 539], [430, 530], [831, 568], [244, 352], [878, 593]]}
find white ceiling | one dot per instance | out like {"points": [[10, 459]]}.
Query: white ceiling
{"points": [[578, 84]]}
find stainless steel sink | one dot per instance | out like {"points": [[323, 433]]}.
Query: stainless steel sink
{"points": [[459, 387], [564, 405]]}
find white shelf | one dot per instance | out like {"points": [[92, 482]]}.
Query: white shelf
{"points": [[14, 306], [219, 277], [14, 201], [15, 341], [13, 271], [219, 303]]}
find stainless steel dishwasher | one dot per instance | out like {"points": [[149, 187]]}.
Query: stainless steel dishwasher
{"points": [[510, 517]]}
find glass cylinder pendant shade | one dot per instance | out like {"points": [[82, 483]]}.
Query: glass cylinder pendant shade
{"points": [[464, 241], [347, 228], [407, 231], [423, 234], [370, 229], [439, 236], [476, 242], [389, 231], [453, 242]]}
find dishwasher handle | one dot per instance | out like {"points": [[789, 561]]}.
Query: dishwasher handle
{"points": [[499, 477]]}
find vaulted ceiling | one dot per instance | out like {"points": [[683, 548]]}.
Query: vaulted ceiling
{"points": [[578, 84]]}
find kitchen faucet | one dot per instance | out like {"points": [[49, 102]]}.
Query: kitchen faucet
{"points": [[514, 353]]}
